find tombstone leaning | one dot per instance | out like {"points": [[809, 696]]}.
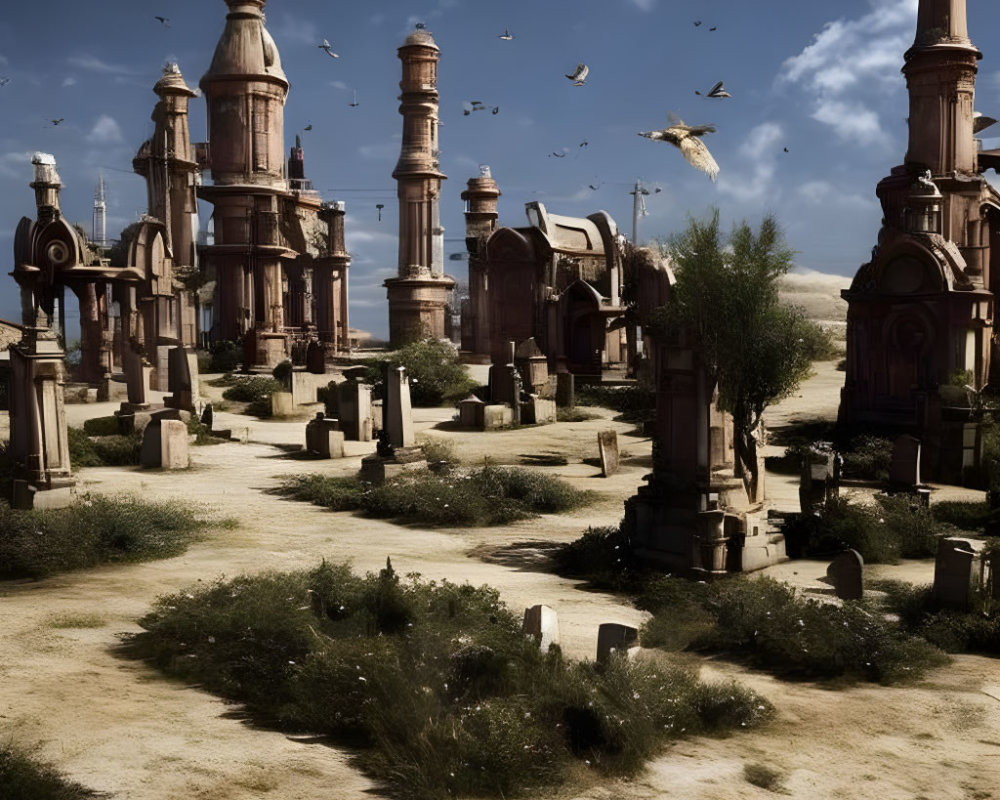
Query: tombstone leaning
{"points": [[846, 573]]}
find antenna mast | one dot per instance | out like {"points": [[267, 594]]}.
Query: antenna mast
{"points": [[100, 231]]}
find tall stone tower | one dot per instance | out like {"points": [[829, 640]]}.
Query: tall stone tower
{"points": [[920, 313], [168, 164], [245, 88], [419, 297], [481, 214]]}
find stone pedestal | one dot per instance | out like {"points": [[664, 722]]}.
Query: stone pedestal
{"points": [[377, 469], [183, 379], [324, 438], [536, 411], [470, 412], [354, 403]]}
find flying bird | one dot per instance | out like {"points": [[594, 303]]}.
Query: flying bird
{"points": [[686, 138], [714, 28], [355, 103], [584, 144], [786, 149], [165, 21], [327, 48], [717, 91], [697, 23], [506, 35], [379, 206], [56, 121], [592, 187], [4, 81], [579, 76], [496, 110], [308, 127], [558, 153]]}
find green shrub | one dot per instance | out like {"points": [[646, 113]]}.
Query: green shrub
{"points": [[23, 776], [766, 623], [434, 682], [635, 403], [282, 373], [254, 388], [436, 375], [484, 496], [603, 556], [103, 451], [440, 454], [225, 356], [94, 530], [868, 458], [101, 426], [817, 342], [969, 517], [574, 414]]}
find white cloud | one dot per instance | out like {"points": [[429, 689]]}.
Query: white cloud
{"points": [[16, 165], [68, 81], [294, 29], [824, 193], [94, 64], [339, 85], [761, 150], [643, 5], [3, 61], [851, 65], [105, 131]]}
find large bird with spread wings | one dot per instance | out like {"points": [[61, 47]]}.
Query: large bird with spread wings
{"points": [[686, 138]]}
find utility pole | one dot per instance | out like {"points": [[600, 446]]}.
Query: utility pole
{"points": [[638, 209]]}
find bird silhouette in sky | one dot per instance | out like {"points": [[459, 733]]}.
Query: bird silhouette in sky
{"points": [[164, 21], [4, 81], [327, 48], [579, 76], [697, 23], [495, 111], [713, 28], [561, 153], [686, 139], [592, 187], [56, 121], [308, 127], [584, 144], [506, 35], [717, 91]]}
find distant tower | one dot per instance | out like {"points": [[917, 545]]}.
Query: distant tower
{"points": [[245, 89], [920, 313], [100, 226], [481, 197], [419, 297]]}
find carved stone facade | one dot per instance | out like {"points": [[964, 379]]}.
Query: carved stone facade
{"points": [[278, 257], [920, 313], [420, 295]]}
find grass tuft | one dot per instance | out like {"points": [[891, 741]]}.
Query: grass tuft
{"points": [[762, 776], [434, 682], [485, 496]]}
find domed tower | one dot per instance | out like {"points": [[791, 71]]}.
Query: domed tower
{"points": [[420, 296], [482, 198], [920, 313], [245, 89]]}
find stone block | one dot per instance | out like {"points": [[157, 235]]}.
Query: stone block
{"points": [[470, 412], [324, 438], [282, 404], [565, 390], [538, 412], [496, 417], [397, 410], [614, 637], [904, 471], [354, 407], [846, 572], [542, 623], [377, 470], [607, 447], [174, 444], [957, 571]]}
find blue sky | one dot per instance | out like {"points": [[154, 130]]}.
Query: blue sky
{"points": [[821, 79]]}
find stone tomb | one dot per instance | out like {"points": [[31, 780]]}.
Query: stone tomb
{"points": [[846, 573], [354, 408], [165, 444], [542, 623], [397, 451], [607, 447], [612, 636], [324, 437]]}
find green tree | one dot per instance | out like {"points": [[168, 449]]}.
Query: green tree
{"points": [[753, 346]]}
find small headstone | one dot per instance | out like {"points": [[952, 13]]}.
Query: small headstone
{"points": [[956, 572], [565, 390], [282, 404], [538, 411], [397, 411], [208, 416], [904, 470], [182, 378], [324, 438], [316, 358], [354, 407], [612, 636], [174, 445], [607, 446], [542, 623], [846, 573], [470, 412]]}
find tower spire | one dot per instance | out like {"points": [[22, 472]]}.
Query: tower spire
{"points": [[100, 231], [942, 22]]}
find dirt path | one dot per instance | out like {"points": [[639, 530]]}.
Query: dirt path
{"points": [[117, 726]]}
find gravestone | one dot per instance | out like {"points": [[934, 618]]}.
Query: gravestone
{"points": [[354, 406], [904, 471], [316, 357], [612, 636], [607, 447], [397, 410], [470, 412], [533, 366], [396, 451], [165, 444], [208, 416], [538, 411], [282, 404], [542, 623], [565, 390], [846, 573], [137, 379], [182, 378], [956, 571], [819, 479], [324, 438]]}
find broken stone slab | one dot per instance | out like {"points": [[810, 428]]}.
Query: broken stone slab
{"points": [[537, 411], [324, 437], [612, 636], [847, 572], [607, 446], [165, 444], [542, 623]]}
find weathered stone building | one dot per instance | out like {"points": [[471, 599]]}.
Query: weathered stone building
{"points": [[558, 280], [920, 313], [420, 295], [278, 258]]}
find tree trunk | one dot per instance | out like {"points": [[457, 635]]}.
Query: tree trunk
{"points": [[745, 465]]}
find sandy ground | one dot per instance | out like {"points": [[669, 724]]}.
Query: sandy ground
{"points": [[117, 726]]}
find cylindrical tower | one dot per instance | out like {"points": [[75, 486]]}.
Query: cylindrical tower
{"points": [[419, 297], [481, 197], [245, 89], [940, 74]]}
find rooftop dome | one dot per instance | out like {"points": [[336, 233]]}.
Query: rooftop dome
{"points": [[421, 37]]}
